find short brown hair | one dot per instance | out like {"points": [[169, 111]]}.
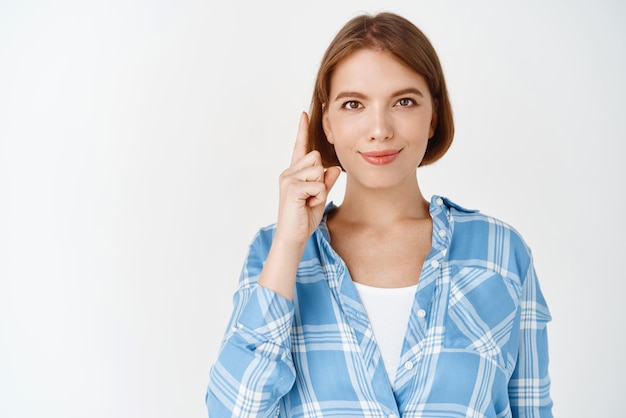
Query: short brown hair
{"points": [[398, 36]]}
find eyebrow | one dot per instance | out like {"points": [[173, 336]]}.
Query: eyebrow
{"points": [[357, 95]]}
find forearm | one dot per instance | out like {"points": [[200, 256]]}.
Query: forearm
{"points": [[280, 268], [254, 369]]}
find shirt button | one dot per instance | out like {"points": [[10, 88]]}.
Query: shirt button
{"points": [[408, 365], [434, 264], [442, 233], [421, 313], [439, 201], [392, 416]]}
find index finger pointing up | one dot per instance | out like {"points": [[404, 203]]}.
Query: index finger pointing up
{"points": [[300, 148]]}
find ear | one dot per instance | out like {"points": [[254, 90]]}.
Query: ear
{"points": [[326, 125], [433, 123]]}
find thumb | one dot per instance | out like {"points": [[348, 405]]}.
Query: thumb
{"points": [[330, 177]]}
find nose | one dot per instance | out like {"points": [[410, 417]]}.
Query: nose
{"points": [[380, 125]]}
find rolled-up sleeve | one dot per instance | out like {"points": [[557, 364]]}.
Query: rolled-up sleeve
{"points": [[529, 386], [254, 368]]}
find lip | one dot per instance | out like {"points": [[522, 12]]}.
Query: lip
{"points": [[380, 157]]}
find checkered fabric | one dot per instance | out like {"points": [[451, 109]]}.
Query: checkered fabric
{"points": [[480, 351]]}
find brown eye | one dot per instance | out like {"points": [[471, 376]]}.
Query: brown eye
{"points": [[352, 104], [405, 102]]}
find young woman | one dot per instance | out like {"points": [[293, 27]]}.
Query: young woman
{"points": [[389, 305]]}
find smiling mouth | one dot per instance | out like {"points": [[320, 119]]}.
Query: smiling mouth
{"points": [[380, 157]]}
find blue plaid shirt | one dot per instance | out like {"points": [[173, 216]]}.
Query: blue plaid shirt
{"points": [[480, 351]]}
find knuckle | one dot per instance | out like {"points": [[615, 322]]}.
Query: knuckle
{"points": [[316, 155], [284, 179]]}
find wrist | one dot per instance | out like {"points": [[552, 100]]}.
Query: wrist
{"points": [[288, 242], [281, 267]]}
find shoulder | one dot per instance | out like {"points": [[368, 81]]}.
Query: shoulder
{"points": [[478, 235], [481, 224], [261, 243], [258, 249], [262, 240]]}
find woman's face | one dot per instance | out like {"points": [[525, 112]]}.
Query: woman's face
{"points": [[379, 118]]}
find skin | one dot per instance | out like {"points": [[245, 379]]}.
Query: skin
{"points": [[304, 188], [379, 118], [382, 230]]}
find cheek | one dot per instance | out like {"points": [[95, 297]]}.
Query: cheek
{"points": [[346, 129], [334, 131], [344, 139], [422, 125]]}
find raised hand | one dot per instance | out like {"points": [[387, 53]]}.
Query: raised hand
{"points": [[304, 188]]}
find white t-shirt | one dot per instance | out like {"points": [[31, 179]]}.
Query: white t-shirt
{"points": [[388, 310]]}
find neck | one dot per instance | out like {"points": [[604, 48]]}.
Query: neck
{"points": [[383, 206]]}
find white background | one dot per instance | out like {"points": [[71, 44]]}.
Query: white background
{"points": [[140, 144]]}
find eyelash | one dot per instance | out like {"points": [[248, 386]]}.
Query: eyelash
{"points": [[413, 103], [347, 105]]}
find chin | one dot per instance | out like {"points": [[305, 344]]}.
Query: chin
{"points": [[381, 182]]}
